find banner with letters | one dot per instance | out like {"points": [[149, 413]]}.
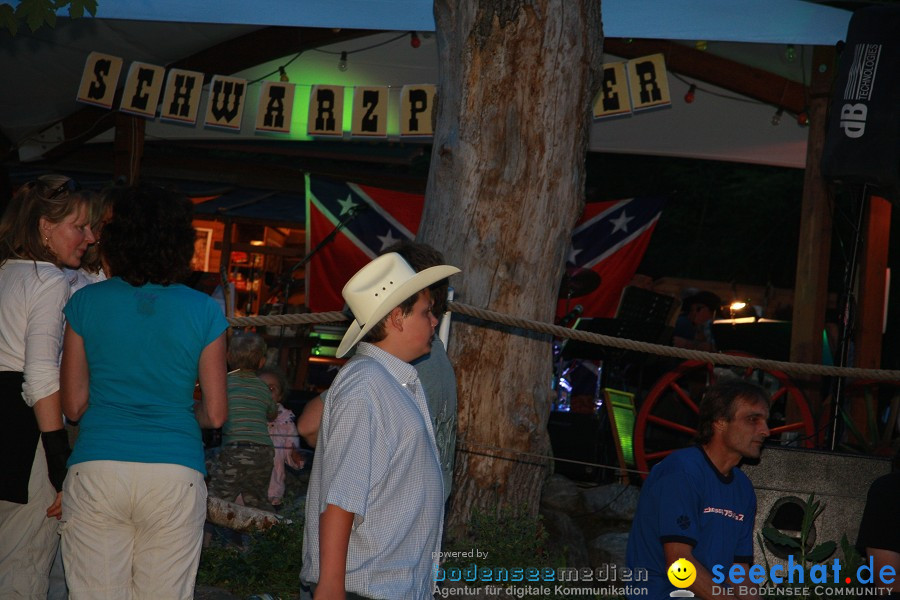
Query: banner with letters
{"points": [[151, 92]]}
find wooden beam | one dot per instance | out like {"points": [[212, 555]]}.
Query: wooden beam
{"points": [[226, 58], [727, 74], [814, 246], [870, 304], [128, 148]]}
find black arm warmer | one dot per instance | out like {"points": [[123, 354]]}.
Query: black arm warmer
{"points": [[56, 447]]}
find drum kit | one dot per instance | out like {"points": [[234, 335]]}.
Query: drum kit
{"points": [[576, 283]]}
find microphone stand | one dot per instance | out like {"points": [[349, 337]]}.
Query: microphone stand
{"points": [[288, 278]]}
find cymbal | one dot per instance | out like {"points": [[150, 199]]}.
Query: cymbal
{"points": [[578, 282]]}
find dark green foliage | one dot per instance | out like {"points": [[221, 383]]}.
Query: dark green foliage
{"points": [[36, 13], [807, 556], [269, 563]]}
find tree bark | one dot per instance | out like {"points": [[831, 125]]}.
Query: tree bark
{"points": [[244, 519], [505, 188]]}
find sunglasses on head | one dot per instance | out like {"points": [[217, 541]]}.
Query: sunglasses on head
{"points": [[68, 186]]}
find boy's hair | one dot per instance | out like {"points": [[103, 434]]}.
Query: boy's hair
{"points": [[379, 331], [245, 350], [420, 257], [720, 402]]}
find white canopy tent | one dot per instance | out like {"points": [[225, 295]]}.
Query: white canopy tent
{"points": [[758, 21], [46, 66]]}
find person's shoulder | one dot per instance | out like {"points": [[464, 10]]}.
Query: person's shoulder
{"points": [[44, 271], [741, 478], [683, 464], [362, 365], [44, 276], [887, 486]]}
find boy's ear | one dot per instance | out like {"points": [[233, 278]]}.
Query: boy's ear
{"points": [[395, 318]]}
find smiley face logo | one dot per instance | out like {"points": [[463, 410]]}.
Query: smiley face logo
{"points": [[682, 573]]}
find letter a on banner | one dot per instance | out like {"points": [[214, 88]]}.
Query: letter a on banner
{"points": [[370, 106], [326, 111], [649, 82], [143, 87], [613, 99], [276, 107], [181, 100], [225, 105], [100, 79], [417, 109]]}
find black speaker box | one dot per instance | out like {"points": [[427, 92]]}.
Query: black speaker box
{"points": [[862, 142], [585, 438]]}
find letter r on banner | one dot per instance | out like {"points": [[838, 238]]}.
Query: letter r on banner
{"points": [[326, 111], [649, 82]]}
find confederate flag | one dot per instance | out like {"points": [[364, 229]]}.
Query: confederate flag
{"points": [[370, 220], [610, 239]]}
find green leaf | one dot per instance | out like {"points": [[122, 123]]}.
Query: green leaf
{"points": [[776, 537], [8, 19], [821, 552], [35, 13], [78, 7]]}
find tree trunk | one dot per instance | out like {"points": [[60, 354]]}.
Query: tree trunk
{"points": [[505, 188], [241, 518]]}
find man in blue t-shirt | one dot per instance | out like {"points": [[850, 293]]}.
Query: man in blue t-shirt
{"points": [[696, 504]]}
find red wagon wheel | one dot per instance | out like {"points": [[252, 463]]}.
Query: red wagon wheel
{"points": [[667, 419]]}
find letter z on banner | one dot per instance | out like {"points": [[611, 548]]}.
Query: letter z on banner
{"points": [[371, 219]]}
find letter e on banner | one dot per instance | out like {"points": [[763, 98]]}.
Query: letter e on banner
{"points": [[181, 100], [417, 110], [143, 87], [649, 82], [225, 105], [613, 99], [276, 107], [370, 106], [100, 79], [326, 111]]}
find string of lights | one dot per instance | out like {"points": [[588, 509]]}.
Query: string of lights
{"points": [[414, 42], [802, 117]]}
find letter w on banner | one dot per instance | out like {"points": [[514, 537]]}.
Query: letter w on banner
{"points": [[610, 239], [373, 219]]}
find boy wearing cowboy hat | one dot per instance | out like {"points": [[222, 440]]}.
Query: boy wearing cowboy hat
{"points": [[374, 509]]}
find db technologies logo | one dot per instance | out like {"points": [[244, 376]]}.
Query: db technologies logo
{"points": [[681, 574]]}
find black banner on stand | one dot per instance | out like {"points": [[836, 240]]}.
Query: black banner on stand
{"points": [[862, 143]]}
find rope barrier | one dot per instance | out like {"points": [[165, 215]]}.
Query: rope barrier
{"points": [[557, 331], [465, 447]]}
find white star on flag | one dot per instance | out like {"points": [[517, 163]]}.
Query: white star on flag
{"points": [[346, 205], [621, 222], [387, 240], [572, 254]]}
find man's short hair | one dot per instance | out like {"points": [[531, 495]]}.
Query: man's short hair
{"points": [[720, 402], [245, 350]]}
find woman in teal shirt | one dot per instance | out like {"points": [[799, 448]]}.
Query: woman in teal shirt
{"points": [[135, 345]]}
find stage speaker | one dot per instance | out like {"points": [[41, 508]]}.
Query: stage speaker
{"points": [[585, 438], [862, 141], [784, 479]]}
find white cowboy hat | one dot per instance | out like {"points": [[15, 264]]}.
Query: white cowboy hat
{"points": [[378, 288]]}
